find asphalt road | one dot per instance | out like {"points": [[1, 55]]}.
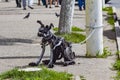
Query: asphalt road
{"points": [[115, 3]]}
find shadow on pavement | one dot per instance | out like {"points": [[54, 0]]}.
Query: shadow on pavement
{"points": [[29, 57], [109, 34], [117, 31], [21, 57], [12, 41]]}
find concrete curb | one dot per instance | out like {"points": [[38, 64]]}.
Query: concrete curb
{"points": [[117, 30]]}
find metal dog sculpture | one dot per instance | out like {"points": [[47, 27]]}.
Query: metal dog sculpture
{"points": [[59, 48]]}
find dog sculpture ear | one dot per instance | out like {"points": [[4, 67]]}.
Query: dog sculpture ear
{"points": [[51, 25], [38, 21], [47, 26]]}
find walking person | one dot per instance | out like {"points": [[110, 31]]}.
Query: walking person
{"points": [[81, 4], [30, 3]]}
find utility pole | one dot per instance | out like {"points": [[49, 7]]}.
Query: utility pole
{"points": [[94, 26]]}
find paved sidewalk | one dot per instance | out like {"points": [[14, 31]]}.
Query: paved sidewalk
{"points": [[19, 42]]}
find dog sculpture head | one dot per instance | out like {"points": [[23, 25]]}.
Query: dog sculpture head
{"points": [[44, 30]]}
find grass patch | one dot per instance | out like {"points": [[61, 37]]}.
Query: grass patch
{"points": [[118, 53], [74, 28], [55, 29], [118, 76], [116, 66], [72, 37], [109, 10], [82, 78], [110, 18], [44, 74], [105, 54]]}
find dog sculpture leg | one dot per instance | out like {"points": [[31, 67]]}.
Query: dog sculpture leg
{"points": [[68, 57], [42, 53], [50, 64], [40, 58]]}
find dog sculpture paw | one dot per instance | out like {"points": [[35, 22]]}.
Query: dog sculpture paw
{"points": [[68, 63], [33, 64], [46, 62], [50, 65]]}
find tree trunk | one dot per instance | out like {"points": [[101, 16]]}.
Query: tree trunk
{"points": [[66, 16]]}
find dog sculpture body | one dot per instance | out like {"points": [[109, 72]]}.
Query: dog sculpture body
{"points": [[59, 48]]}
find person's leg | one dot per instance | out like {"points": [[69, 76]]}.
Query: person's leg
{"points": [[50, 3], [24, 4], [17, 3], [38, 2], [30, 3], [60, 1], [46, 4], [84, 4], [80, 4], [57, 3]]}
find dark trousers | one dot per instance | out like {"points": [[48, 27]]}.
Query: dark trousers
{"points": [[81, 3], [44, 2], [60, 1], [18, 3]]}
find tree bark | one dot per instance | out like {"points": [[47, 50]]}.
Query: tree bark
{"points": [[66, 16]]}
